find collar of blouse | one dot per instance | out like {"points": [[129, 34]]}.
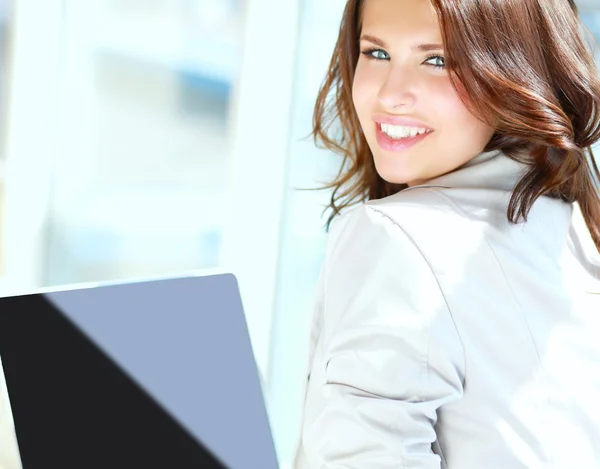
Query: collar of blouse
{"points": [[488, 170]]}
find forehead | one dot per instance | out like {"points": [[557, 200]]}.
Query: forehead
{"points": [[399, 17]]}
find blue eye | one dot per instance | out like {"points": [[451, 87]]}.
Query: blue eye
{"points": [[380, 54], [441, 62], [376, 54]]}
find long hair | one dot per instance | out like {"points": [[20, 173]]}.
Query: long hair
{"points": [[530, 73]]}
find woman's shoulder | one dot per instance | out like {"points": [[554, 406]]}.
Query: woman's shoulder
{"points": [[448, 225], [440, 205], [428, 210], [440, 224]]}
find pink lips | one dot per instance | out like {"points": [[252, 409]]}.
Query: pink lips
{"points": [[390, 144]]}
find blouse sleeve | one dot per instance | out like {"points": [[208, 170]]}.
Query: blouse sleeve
{"points": [[391, 352]]}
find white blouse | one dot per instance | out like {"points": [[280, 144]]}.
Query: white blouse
{"points": [[444, 337]]}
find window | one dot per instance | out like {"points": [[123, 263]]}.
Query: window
{"points": [[141, 172]]}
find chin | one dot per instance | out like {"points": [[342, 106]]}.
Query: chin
{"points": [[396, 179], [396, 175]]}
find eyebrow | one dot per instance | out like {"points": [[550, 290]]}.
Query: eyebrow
{"points": [[418, 47]]}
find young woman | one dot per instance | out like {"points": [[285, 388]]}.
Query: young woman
{"points": [[457, 320]]}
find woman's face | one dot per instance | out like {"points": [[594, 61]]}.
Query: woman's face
{"points": [[401, 89]]}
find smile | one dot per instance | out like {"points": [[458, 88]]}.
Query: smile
{"points": [[400, 131], [399, 138]]}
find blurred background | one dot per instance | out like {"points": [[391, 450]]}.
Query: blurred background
{"points": [[143, 138]]}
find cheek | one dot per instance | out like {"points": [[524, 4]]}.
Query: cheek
{"points": [[442, 97], [365, 89], [360, 92], [453, 112]]}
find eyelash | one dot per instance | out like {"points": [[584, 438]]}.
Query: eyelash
{"points": [[369, 55]]}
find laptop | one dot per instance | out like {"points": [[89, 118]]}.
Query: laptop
{"points": [[146, 374]]}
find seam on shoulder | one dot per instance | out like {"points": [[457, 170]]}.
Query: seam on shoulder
{"points": [[440, 289], [458, 210]]}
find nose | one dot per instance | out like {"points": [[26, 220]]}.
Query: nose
{"points": [[398, 90]]}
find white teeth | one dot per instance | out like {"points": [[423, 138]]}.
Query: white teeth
{"points": [[397, 131]]}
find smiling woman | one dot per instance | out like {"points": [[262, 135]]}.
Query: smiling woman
{"points": [[457, 308]]}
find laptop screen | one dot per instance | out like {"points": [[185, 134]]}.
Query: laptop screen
{"points": [[149, 374]]}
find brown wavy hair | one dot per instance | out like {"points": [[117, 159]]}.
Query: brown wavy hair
{"points": [[530, 71]]}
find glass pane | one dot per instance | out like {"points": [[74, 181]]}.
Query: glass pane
{"points": [[144, 157]]}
